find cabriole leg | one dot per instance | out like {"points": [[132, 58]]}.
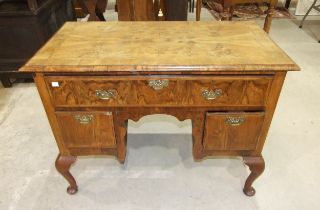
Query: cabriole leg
{"points": [[63, 164], [256, 166]]}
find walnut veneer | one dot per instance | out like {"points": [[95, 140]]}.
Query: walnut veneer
{"points": [[224, 76]]}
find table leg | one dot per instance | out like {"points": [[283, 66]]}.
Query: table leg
{"points": [[226, 15], [198, 9], [96, 9], [309, 10], [63, 164], [256, 166], [192, 5], [287, 4], [231, 12], [268, 20]]}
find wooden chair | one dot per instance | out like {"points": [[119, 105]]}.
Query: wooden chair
{"points": [[228, 8]]}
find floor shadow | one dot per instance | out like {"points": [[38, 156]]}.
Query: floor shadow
{"points": [[163, 150]]}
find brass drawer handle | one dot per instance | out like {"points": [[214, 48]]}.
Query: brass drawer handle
{"points": [[235, 121], [211, 95], [84, 119], [158, 84], [106, 94]]}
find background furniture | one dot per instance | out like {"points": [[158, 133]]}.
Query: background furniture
{"points": [[80, 8], [287, 4], [191, 5], [24, 27], [228, 88], [313, 6], [228, 8], [176, 10], [131, 10], [95, 9]]}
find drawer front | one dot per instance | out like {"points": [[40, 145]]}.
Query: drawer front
{"points": [[159, 91], [83, 130], [232, 131]]}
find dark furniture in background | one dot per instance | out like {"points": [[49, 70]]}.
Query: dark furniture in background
{"points": [[191, 5], [132, 10], [95, 9], [287, 4], [176, 10], [25, 25]]}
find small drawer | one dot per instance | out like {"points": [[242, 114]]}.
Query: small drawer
{"points": [[85, 130], [159, 91], [232, 131]]}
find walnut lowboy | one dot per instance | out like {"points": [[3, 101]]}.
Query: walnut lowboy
{"points": [[229, 89]]}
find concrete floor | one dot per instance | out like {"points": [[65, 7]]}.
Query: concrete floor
{"points": [[160, 172]]}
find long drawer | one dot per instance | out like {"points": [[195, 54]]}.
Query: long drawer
{"points": [[97, 91]]}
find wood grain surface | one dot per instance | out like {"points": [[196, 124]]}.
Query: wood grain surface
{"points": [[98, 133], [225, 77], [181, 91], [160, 46], [219, 135]]}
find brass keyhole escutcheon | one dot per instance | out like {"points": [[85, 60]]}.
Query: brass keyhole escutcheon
{"points": [[158, 84], [106, 94]]}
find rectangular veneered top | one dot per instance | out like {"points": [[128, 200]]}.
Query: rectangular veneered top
{"points": [[159, 46]]}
